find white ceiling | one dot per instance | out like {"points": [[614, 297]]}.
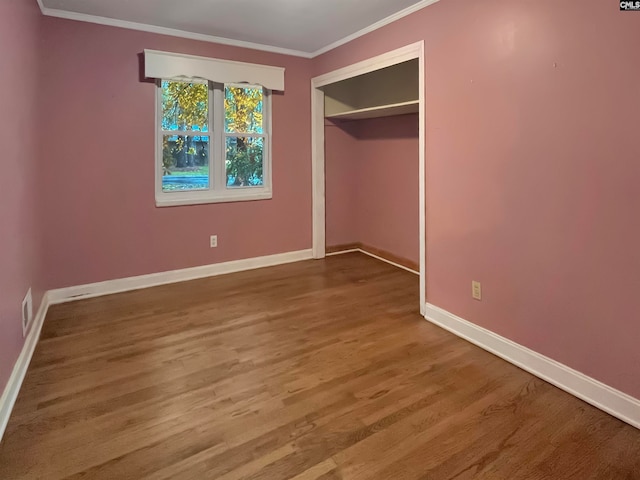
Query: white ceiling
{"points": [[299, 27]]}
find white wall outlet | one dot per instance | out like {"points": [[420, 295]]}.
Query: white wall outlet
{"points": [[27, 312], [476, 290], [213, 241]]}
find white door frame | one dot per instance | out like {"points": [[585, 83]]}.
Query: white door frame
{"points": [[415, 50]]}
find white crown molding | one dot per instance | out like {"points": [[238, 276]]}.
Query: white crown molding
{"points": [[11, 390], [379, 24], [601, 396], [143, 27], [62, 295]]}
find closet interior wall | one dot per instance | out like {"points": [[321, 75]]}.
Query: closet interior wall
{"points": [[372, 190]]}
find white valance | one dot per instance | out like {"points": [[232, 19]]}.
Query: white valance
{"points": [[175, 65]]}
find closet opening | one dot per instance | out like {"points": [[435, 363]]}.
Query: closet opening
{"points": [[368, 155]]}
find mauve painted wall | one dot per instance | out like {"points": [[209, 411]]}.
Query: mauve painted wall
{"points": [[533, 171], [341, 170], [372, 184], [387, 202], [102, 222], [19, 234]]}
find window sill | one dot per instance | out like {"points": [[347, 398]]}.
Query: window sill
{"points": [[174, 200]]}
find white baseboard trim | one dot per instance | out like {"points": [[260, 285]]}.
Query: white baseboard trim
{"points": [[352, 250], [342, 252], [62, 295], [602, 396], [10, 394], [388, 261]]}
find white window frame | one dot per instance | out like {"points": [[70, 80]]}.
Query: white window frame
{"points": [[218, 191]]}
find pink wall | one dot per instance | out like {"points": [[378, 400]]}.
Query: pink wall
{"points": [[388, 187], [19, 236], [532, 171], [98, 127], [341, 169], [372, 184]]}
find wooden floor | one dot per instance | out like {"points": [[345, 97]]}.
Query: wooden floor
{"points": [[314, 370]]}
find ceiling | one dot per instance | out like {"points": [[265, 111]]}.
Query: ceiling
{"points": [[299, 27]]}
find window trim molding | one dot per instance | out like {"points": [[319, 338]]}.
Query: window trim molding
{"points": [[216, 129], [176, 66]]}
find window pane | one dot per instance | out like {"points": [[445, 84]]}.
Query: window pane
{"points": [[244, 161], [243, 109], [185, 106], [185, 163]]}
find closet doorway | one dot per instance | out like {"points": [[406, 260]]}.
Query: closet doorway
{"points": [[388, 86]]}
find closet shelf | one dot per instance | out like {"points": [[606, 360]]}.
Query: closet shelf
{"points": [[378, 111]]}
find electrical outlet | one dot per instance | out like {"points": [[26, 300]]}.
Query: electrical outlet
{"points": [[213, 241], [27, 312], [476, 290]]}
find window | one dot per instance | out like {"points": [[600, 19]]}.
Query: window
{"points": [[213, 142]]}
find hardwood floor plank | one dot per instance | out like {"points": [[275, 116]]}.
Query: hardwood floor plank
{"points": [[319, 370], [319, 470]]}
